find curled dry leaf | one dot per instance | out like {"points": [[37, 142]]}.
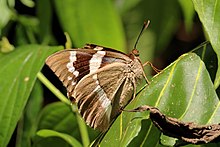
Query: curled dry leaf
{"points": [[185, 131]]}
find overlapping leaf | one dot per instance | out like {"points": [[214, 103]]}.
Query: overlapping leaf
{"points": [[209, 14]]}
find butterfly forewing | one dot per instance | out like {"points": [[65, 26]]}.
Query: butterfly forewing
{"points": [[71, 65], [101, 80]]}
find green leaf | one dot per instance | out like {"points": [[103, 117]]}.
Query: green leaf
{"points": [[151, 139], [58, 117], [27, 124], [45, 20], [209, 57], [20, 35], [188, 13], [50, 133], [91, 21], [18, 74], [209, 14], [5, 14], [183, 90], [28, 3]]}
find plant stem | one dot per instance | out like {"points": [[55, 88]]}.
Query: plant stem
{"points": [[52, 88], [83, 131], [61, 97]]}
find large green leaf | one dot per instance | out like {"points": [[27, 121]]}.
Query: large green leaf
{"points": [[91, 21], [209, 14], [183, 90], [18, 74]]}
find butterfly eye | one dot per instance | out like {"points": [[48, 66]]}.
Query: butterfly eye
{"points": [[135, 52]]}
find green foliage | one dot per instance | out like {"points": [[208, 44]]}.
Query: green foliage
{"points": [[183, 90]]}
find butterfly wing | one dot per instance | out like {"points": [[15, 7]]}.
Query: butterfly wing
{"points": [[72, 65], [99, 48], [94, 77], [98, 95]]}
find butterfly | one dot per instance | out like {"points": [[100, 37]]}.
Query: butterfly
{"points": [[101, 80]]}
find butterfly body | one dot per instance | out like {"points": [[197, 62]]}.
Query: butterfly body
{"points": [[101, 80]]}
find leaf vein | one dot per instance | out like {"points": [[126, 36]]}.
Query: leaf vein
{"points": [[194, 90]]}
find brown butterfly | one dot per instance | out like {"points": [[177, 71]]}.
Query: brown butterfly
{"points": [[102, 81]]}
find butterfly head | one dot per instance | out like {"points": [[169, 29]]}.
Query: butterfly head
{"points": [[135, 52]]}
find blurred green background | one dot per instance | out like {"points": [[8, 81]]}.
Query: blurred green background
{"points": [[175, 29]]}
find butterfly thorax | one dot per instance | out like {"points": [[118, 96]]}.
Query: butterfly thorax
{"points": [[133, 74], [136, 65]]}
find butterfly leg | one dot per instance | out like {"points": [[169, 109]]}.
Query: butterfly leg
{"points": [[148, 82], [152, 66]]}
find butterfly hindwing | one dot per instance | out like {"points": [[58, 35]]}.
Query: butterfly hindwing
{"points": [[95, 95]]}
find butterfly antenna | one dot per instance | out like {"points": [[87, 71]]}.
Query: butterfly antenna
{"points": [[145, 26]]}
